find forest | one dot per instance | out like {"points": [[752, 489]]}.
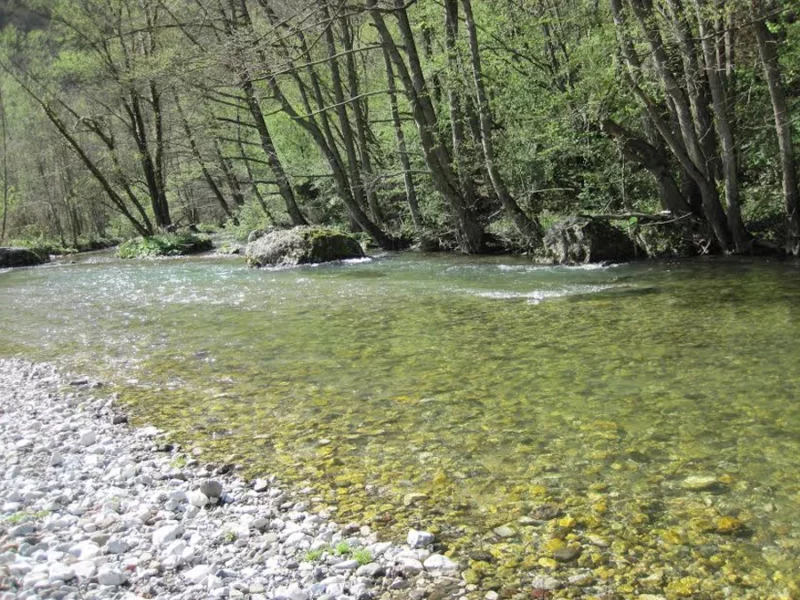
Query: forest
{"points": [[471, 125]]}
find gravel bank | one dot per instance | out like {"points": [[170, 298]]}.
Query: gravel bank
{"points": [[93, 509]]}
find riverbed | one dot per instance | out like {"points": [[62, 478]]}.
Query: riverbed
{"points": [[628, 428]]}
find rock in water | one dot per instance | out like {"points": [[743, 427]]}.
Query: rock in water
{"points": [[699, 483], [419, 539], [302, 245], [583, 240], [19, 257]]}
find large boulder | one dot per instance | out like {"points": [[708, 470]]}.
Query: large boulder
{"points": [[20, 257], [301, 245], [585, 240]]}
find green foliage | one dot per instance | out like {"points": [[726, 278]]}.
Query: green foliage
{"points": [[178, 462], [342, 549], [362, 556], [164, 245], [317, 554], [25, 515], [229, 537]]}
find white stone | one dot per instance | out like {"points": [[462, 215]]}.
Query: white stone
{"points": [[214, 583], [85, 550], [61, 571], [438, 562], [117, 546], [108, 575], [166, 534], [197, 498], [410, 566], [87, 437], [197, 574], [85, 569]]}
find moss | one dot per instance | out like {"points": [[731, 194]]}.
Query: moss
{"points": [[164, 245]]}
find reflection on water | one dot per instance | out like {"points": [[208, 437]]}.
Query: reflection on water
{"points": [[652, 408]]}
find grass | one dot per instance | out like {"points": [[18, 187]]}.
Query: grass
{"points": [[178, 462], [229, 537], [315, 555], [342, 549], [362, 556], [24, 515]]}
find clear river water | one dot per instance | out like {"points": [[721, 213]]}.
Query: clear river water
{"points": [[633, 427]]}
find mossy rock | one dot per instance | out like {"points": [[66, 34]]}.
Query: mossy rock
{"points": [[164, 245], [585, 240], [20, 257], [302, 245]]}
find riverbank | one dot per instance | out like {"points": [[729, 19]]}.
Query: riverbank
{"points": [[92, 508]]}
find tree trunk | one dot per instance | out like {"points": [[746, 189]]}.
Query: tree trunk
{"points": [[199, 157], [691, 161], [650, 158], [5, 167], [275, 165], [729, 166], [454, 101], [408, 179], [253, 185], [230, 175], [469, 232], [529, 228], [361, 124], [768, 49]]}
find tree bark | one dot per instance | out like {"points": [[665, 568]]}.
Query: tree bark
{"points": [[5, 167], [361, 123], [275, 164], [691, 161], [768, 50], [729, 166]]}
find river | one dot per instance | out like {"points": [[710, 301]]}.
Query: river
{"points": [[651, 410]]}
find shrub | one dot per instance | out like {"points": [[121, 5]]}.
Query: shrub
{"points": [[164, 245]]}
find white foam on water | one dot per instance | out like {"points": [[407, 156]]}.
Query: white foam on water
{"points": [[584, 267], [356, 261], [537, 296]]}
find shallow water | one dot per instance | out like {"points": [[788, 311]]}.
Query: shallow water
{"points": [[490, 386]]}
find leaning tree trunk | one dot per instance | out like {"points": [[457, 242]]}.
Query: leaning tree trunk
{"points": [[686, 150], [361, 123], [212, 185], [641, 151], [275, 165], [529, 228], [768, 49]]}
